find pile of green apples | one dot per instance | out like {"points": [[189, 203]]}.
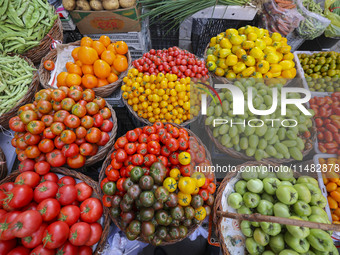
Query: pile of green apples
{"points": [[280, 194]]}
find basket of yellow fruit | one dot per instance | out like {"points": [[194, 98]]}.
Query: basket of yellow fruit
{"points": [[250, 52]]}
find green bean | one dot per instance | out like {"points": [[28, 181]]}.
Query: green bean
{"points": [[34, 19], [23, 8], [13, 15], [28, 14], [4, 7]]}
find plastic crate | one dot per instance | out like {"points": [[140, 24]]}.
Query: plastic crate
{"points": [[163, 36], [115, 99]]}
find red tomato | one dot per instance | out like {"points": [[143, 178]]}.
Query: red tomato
{"points": [[32, 151], [158, 125], [31, 206], [26, 165], [67, 194], [142, 149], [106, 113], [35, 127], [29, 178], [35, 239], [42, 167], [130, 148], [68, 136], [132, 136], [93, 135], [31, 139], [84, 191], [91, 210], [72, 121], [107, 201], [172, 144], [186, 170], [120, 184], [122, 141], [50, 177], [49, 209], [149, 159], [204, 194], [113, 175], [70, 150], [7, 246], [98, 120], [42, 251], [75, 94], [105, 180], [17, 125], [96, 232], [174, 158], [19, 196], [58, 143], [26, 223], [85, 149], [5, 221], [85, 250], [79, 233], [20, 250], [107, 126], [69, 214], [57, 128], [76, 161], [48, 133], [137, 159], [163, 160], [46, 189], [67, 249], [104, 138], [55, 158], [149, 130], [143, 138], [121, 155], [211, 188], [154, 147], [81, 132], [55, 235]]}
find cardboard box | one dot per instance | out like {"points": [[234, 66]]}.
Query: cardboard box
{"points": [[105, 22]]}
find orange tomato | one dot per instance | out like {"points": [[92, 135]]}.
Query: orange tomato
{"points": [[322, 161], [98, 46], [121, 47], [75, 69], [87, 69], [79, 63], [89, 81], [335, 195], [102, 82], [73, 79], [332, 203], [108, 56], [112, 48], [113, 70], [331, 186], [335, 217], [101, 69], [61, 78], [75, 53], [105, 40], [337, 212], [338, 189], [86, 41], [87, 55], [112, 78], [68, 64], [120, 63]]}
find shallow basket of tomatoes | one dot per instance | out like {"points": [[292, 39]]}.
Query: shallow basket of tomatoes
{"points": [[4, 118], [103, 91], [3, 165], [62, 177], [208, 187]]}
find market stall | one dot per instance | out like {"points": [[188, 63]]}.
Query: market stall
{"points": [[169, 127]]}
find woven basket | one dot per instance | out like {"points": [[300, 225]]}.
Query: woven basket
{"points": [[255, 217], [103, 151], [105, 91], [28, 98], [117, 223], [3, 165], [38, 52], [96, 193]]}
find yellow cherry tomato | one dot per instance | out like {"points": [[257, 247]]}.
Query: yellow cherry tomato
{"points": [[184, 158], [231, 60], [184, 199], [175, 173], [199, 178], [200, 213], [186, 185], [263, 66], [170, 184]]}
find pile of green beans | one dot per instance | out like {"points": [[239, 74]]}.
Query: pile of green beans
{"points": [[23, 23], [15, 77]]}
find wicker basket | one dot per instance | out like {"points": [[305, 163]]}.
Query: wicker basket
{"points": [[28, 98], [3, 165], [105, 91], [103, 151], [96, 193], [219, 214], [117, 223], [38, 52]]}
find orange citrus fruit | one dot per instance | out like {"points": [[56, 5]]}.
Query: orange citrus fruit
{"points": [[75, 53], [89, 81], [86, 41], [73, 79], [112, 78], [101, 69], [87, 55], [102, 82], [105, 40], [87, 69], [108, 56], [61, 78], [121, 47], [98, 46]]}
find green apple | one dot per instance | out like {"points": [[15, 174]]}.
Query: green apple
{"points": [[266, 196], [270, 185], [297, 231], [333, 251], [319, 211], [288, 252], [251, 200], [303, 192], [301, 208], [287, 194], [307, 179], [298, 245], [281, 210], [255, 185], [277, 243], [321, 202], [249, 173], [235, 200], [253, 247], [265, 207], [244, 210], [262, 172], [320, 240], [241, 187], [287, 183], [271, 228], [314, 191], [246, 228], [285, 174], [261, 237]]}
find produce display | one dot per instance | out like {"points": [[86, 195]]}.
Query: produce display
{"points": [[250, 52], [48, 214], [322, 70], [263, 141], [281, 195], [151, 185], [327, 120], [97, 5], [24, 24], [61, 127], [16, 76], [96, 63]]}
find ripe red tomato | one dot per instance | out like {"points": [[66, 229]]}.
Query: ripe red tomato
{"points": [[70, 150], [66, 180], [56, 158], [49, 65], [93, 135], [31, 139], [122, 141], [50, 177], [91, 210], [26, 165], [72, 121], [48, 133], [121, 155], [79, 110], [96, 233], [88, 95], [67, 105], [19, 196], [112, 175], [16, 124], [120, 184], [76, 161], [49, 209], [46, 189], [46, 145], [20, 250], [137, 159], [84, 250], [131, 136], [26, 223], [29, 178], [149, 159], [154, 147], [67, 249], [100, 101], [44, 106], [86, 149], [75, 94], [55, 235], [58, 95], [105, 180], [42, 251], [57, 128], [6, 231], [107, 126], [70, 214], [32, 151], [35, 127], [79, 233], [84, 191], [130, 148], [27, 116], [104, 139], [34, 239], [68, 136], [98, 120], [67, 194]]}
